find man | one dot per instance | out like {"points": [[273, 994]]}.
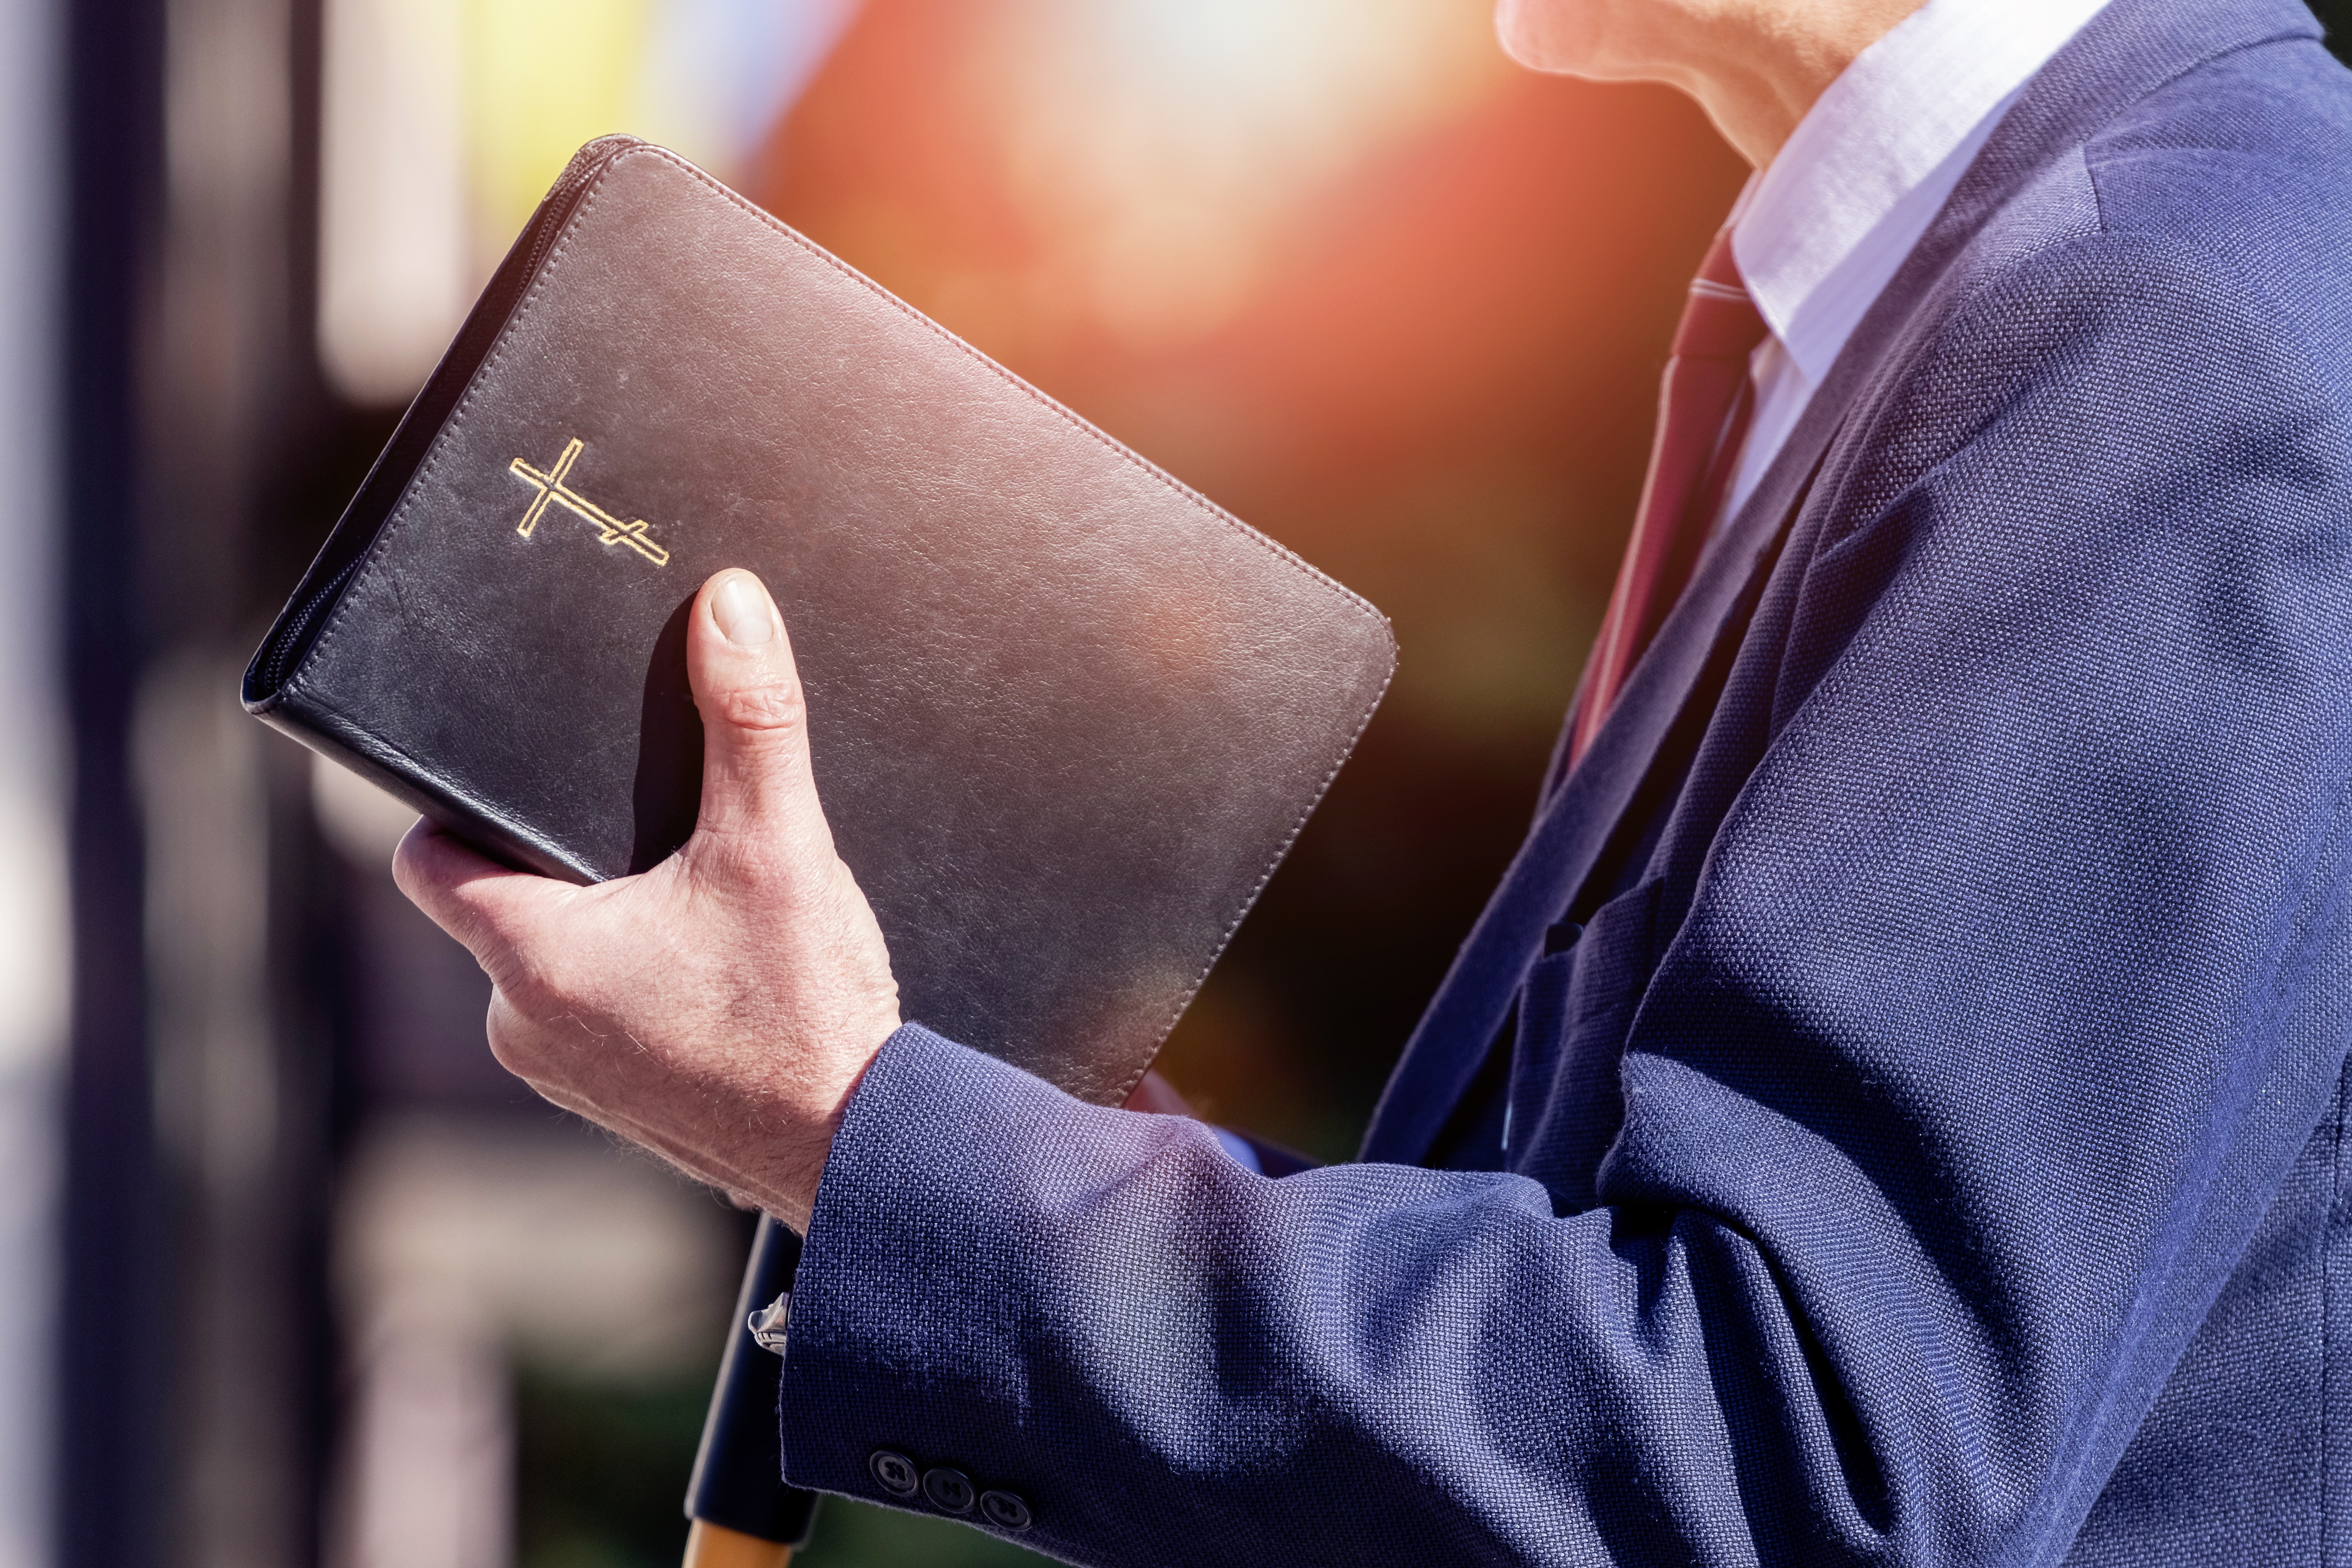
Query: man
{"points": [[1892, 1110]]}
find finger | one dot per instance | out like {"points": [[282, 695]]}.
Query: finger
{"points": [[495, 911], [755, 760]]}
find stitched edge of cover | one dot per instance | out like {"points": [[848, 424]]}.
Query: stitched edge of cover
{"points": [[1281, 853], [1280, 551], [1306, 569]]}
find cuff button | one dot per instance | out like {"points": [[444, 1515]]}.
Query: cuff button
{"points": [[894, 1471], [950, 1491], [1004, 1509]]}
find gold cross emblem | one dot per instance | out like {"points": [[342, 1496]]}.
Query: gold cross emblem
{"points": [[555, 492]]}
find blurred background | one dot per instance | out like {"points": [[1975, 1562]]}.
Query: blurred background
{"points": [[291, 1273]]}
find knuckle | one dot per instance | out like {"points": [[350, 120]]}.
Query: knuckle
{"points": [[777, 707], [512, 1039], [740, 866], [508, 974], [536, 995]]}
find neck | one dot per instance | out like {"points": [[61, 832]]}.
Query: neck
{"points": [[1755, 65]]}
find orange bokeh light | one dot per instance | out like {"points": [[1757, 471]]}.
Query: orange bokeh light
{"points": [[1387, 298]]}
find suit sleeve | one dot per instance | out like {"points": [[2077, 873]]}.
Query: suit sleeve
{"points": [[1999, 987]]}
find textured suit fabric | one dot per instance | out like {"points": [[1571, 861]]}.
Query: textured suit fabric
{"points": [[1921, 1021]]}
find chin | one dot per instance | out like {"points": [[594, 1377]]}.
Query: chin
{"points": [[1555, 35]]}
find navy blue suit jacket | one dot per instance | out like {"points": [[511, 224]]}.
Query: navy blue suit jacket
{"points": [[1921, 1022]]}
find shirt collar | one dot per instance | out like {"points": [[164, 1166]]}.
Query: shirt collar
{"points": [[1818, 233]]}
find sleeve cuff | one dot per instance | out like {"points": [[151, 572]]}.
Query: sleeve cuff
{"points": [[908, 1329]]}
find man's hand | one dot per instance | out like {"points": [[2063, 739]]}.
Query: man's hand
{"points": [[718, 1008]]}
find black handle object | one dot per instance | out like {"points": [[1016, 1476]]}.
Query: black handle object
{"points": [[737, 1472]]}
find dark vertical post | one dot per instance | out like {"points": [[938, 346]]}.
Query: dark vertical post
{"points": [[2335, 16], [738, 1482], [116, 1317]]}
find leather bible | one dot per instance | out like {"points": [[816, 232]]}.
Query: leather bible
{"points": [[1065, 716]]}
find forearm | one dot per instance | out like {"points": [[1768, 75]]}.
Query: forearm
{"points": [[1168, 1357]]}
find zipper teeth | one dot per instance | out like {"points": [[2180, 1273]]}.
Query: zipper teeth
{"points": [[567, 192], [563, 198], [299, 631]]}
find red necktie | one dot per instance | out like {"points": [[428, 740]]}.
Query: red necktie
{"points": [[1703, 409]]}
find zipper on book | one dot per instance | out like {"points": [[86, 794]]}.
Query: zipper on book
{"points": [[556, 206], [295, 635], [531, 247], [291, 639]]}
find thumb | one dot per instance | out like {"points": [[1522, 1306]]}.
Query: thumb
{"points": [[756, 786]]}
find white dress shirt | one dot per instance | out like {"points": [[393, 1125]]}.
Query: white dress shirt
{"points": [[1818, 233]]}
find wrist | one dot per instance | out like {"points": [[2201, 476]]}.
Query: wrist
{"points": [[780, 1165]]}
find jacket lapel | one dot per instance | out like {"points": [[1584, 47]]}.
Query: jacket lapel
{"points": [[2126, 51], [1574, 824]]}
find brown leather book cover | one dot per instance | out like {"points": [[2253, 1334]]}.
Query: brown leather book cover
{"points": [[1067, 716]]}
